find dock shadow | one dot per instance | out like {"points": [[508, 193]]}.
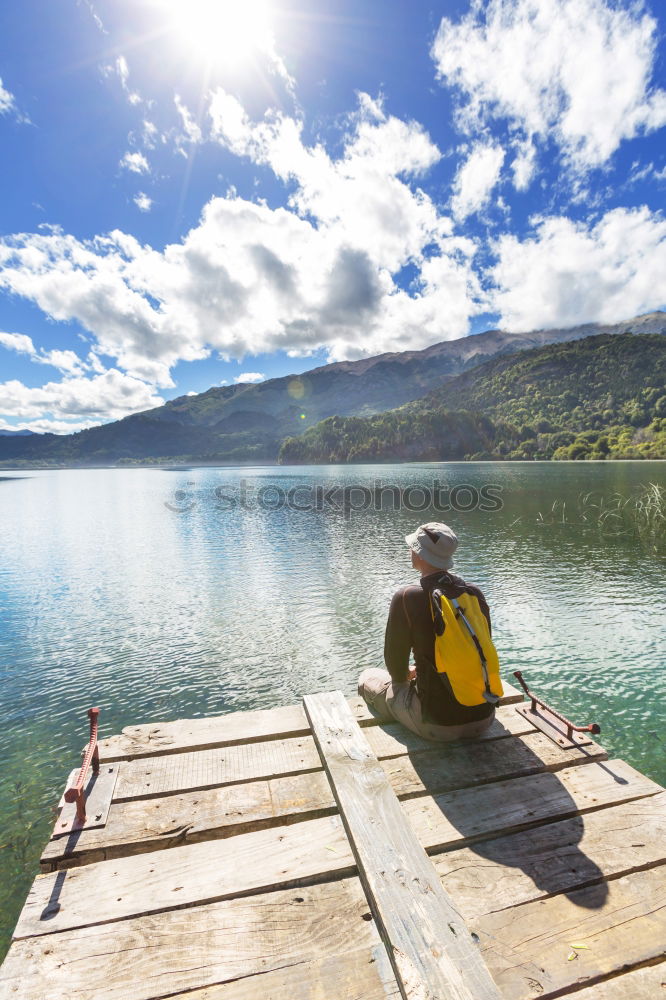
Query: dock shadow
{"points": [[472, 781]]}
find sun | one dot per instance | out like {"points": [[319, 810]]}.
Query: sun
{"points": [[221, 32]]}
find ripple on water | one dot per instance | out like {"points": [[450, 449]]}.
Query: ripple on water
{"points": [[112, 599]]}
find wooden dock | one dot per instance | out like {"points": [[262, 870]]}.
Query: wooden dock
{"points": [[309, 853]]}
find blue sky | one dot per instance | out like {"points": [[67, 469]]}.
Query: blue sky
{"points": [[198, 192]]}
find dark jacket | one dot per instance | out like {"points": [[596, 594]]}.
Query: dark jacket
{"points": [[410, 627]]}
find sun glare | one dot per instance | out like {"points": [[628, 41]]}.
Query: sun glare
{"points": [[223, 32]]}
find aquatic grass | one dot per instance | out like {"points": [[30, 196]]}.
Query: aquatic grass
{"points": [[556, 515], [641, 514]]}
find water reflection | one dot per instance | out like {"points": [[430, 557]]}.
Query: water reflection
{"points": [[109, 597]]}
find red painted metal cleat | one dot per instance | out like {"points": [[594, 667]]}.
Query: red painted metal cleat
{"points": [[75, 792], [549, 720]]}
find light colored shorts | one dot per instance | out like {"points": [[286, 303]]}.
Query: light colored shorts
{"points": [[400, 703]]}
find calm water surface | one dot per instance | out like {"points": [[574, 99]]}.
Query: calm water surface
{"points": [[159, 595]]}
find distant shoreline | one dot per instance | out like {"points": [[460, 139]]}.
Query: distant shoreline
{"points": [[178, 467]]}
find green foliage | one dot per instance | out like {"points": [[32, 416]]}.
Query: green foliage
{"points": [[598, 398]]}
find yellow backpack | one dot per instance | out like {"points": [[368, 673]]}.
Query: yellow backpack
{"points": [[464, 650]]}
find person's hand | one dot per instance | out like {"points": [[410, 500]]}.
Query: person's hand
{"points": [[412, 674]]}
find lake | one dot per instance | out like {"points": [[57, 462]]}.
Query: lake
{"points": [[163, 594]]}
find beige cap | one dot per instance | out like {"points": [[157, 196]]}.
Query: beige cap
{"points": [[435, 543]]}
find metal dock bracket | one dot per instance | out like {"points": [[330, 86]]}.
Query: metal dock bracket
{"points": [[551, 722], [85, 803]]}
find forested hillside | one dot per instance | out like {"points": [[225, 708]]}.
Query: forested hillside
{"points": [[601, 397]]}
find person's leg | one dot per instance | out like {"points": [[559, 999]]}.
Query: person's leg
{"points": [[400, 703], [403, 703], [373, 685]]}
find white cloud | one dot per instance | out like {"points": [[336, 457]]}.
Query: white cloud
{"points": [[191, 130], [648, 171], [476, 178], [248, 279], [524, 164], [8, 105], [120, 69], [143, 202], [577, 71], [570, 273], [250, 377], [149, 133], [136, 163], [65, 361], [103, 397], [7, 102], [17, 342], [364, 195]]}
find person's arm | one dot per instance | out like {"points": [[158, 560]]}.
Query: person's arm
{"points": [[398, 640]]}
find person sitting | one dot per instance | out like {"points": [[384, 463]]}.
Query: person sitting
{"points": [[452, 692]]}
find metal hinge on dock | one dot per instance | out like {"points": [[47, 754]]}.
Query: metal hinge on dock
{"points": [[86, 801], [550, 722]]}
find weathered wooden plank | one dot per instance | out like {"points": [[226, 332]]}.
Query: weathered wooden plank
{"points": [[168, 953], [442, 820], [180, 772], [141, 779], [527, 947], [471, 814], [431, 949], [361, 975], [556, 857], [459, 765], [159, 738], [647, 983], [186, 876], [493, 874], [151, 824]]}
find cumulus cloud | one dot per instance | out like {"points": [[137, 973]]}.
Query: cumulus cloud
{"points": [[65, 361], [136, 163], [321, 272], [250, 377], [476, 179], [87, 401], [364, 195], [143, 202], [17, 342], [576, 71], [570, 273]]}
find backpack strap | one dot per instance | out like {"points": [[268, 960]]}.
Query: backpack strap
{"points": [[489, 696]]}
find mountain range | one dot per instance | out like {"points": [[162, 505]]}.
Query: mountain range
{"points": [[599, 397], [248, 422]]}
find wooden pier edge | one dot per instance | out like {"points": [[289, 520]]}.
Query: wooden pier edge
{"points": [[432, 950], [260, 855]]}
